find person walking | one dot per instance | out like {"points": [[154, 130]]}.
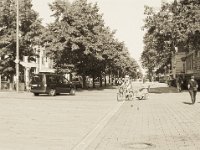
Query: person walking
{"points": [[179, 83], [192, 87]]}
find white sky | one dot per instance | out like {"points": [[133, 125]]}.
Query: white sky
{"points": [[126, 16]]}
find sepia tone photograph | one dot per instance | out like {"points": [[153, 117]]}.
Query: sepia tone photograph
{"points": [[99, 74]]}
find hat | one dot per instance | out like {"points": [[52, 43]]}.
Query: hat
{"points": [[192, 77]]}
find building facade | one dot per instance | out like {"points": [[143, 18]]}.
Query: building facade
{"points": [[186, 64], [42, 63]]}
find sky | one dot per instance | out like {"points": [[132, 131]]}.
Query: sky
{"points": [[124, 16]]}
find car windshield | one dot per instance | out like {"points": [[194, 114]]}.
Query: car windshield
{"points": [[62, 80], [36, 79]]}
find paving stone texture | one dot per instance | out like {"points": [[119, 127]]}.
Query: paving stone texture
{"points": [[163, 122], [50, 123]]}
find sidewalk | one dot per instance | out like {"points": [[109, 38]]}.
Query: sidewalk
{"points": [[164, 122]]}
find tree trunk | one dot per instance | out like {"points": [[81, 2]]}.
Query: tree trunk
{"points": [[0, 82], [105, 84], [84, 81], [150, 75], [111, 77], [109, 80], [101, 80], [93, 78]]}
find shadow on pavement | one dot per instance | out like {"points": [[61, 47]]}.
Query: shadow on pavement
{"points": [[57, 95], [159, 90], [97, 88], [187, 103]]}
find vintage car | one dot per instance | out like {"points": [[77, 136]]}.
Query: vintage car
{"points": [[50, 83]]}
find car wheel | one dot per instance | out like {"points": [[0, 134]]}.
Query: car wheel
{"points": [[72, 92], [36, 94], [52, 92]]}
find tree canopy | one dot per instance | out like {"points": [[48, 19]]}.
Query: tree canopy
{"points": [[79, 37], [30, 27], [175, 25]]}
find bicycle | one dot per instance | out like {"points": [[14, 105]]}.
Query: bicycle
{"points": [[125, 93]]}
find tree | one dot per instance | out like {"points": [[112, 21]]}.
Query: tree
{"points": [[175, 25], [30, 28], [7, 35], [79, 37]]}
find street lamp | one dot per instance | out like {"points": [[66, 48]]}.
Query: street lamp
{"points": [[165, 69], [174, 61], [17, 47]]}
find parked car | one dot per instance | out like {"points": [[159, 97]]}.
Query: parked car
{"points": [[77, 82], [52, 84]]}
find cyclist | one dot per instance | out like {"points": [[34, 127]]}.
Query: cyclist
{"points": [[127, 85]]}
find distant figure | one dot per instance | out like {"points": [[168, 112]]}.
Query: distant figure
{"points": [[119, 81], [192, 87], [179, 83]]}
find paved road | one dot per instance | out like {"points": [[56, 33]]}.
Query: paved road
{"points": [[95, 120], [164, 122], [51, 123]]}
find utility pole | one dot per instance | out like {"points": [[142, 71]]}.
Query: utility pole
{"points": [[17, 48]]}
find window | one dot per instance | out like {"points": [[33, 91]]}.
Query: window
{"points": [[51, 78], [36, 79]]}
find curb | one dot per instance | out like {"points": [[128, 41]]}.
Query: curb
{"points": [[84, 143]]}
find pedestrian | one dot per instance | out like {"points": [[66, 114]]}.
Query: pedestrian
{"points": [[179, 82], [192, 87]]}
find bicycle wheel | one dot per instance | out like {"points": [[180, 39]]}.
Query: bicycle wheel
{"points": [[131, 96], [120, 97]]}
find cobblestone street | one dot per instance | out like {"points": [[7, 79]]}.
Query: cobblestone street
{"points": [[99, 75], [164, 122], [50, 123], [95, 120]]}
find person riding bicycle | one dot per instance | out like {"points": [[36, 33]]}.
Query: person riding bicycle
{"points": [[127, 85]]}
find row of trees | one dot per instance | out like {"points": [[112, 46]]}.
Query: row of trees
{"points": [[78, 38], [175, 25]]}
